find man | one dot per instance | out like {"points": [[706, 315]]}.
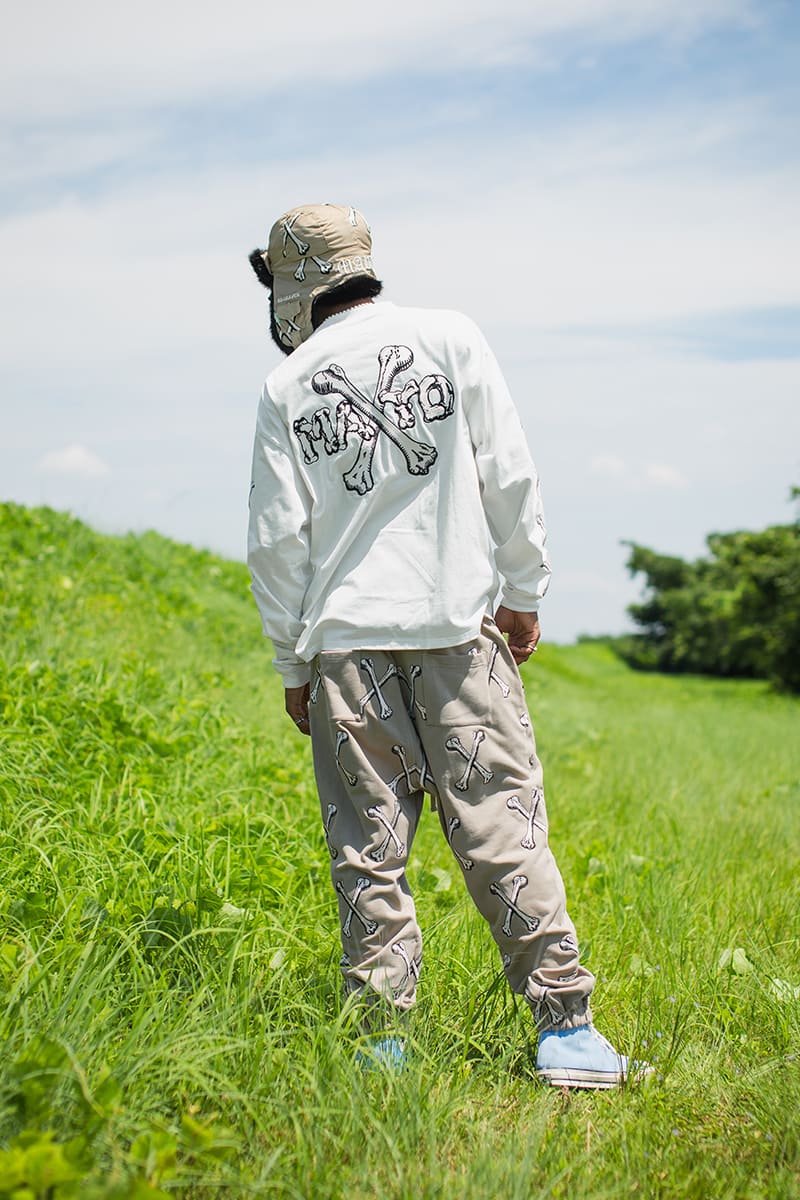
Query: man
{"points": [[392, 493]]}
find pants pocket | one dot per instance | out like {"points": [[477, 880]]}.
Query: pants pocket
{"points": [[358, 684], [454, 687]]}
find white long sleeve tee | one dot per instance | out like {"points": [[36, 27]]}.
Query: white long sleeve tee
{"points": [[393, 493]]}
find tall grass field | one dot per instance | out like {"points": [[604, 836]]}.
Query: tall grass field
{"points": [[170, 1007]]}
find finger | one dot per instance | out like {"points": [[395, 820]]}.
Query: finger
{"points": [[300, 718]]}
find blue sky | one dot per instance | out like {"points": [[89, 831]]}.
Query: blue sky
{"points": [[609, 187]]}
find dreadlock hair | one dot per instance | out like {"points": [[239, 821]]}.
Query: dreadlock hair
{"points": [[266, 279], [259, 265], [357, 287]]}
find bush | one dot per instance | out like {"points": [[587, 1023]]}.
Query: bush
{"points": [[735, 612]]}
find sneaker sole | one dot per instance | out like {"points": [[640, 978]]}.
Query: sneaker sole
{"points": [[581, 1079], [574, 1078]]}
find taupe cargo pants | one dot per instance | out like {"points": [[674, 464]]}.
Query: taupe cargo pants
{"points": [[387, 726]]}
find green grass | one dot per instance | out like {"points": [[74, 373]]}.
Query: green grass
{"points": [[170, 1012]]}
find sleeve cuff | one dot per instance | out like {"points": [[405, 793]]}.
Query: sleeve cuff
{"points": [[294, 676], [293, 671], [519, 601]]}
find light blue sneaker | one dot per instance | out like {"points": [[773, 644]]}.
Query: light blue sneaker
{"points": [[582, 1058], [383, 1054]]}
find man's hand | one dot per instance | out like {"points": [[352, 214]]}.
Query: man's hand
{"points": [[522, 630], [297, 706]]}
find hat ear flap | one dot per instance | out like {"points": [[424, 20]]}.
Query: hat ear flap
{"points": [[259, 265]]}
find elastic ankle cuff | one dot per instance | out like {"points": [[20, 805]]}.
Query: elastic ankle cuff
{"points": [[573, 1019]]}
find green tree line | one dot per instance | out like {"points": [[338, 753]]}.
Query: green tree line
{"points": [[733, 612]]}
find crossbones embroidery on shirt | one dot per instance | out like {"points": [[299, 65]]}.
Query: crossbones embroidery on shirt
{"points": [[390, 412]]}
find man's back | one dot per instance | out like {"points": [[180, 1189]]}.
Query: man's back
{"points": [[395, 432]]}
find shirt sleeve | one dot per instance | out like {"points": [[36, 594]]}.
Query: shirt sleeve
{"points": [[278, 544], [509, 484]]}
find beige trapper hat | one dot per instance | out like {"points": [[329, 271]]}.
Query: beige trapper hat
{"points": [[311, 249]]}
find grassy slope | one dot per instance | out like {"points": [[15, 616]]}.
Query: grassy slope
{"points": [[169, 1001]]}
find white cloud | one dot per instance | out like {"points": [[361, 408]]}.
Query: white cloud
{"points": [[59, 59], [35, 154], [566, 241], [616, 470], [74, 460], [609, 465], [664, 475]]}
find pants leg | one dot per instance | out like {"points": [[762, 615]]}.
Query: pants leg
{"points": [[386, 726], [369, 768], [478, 739]]}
